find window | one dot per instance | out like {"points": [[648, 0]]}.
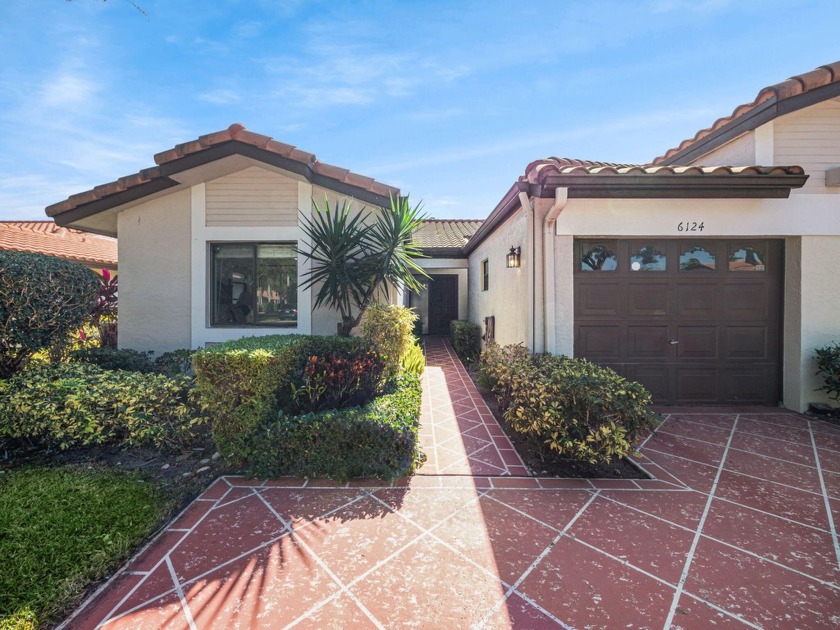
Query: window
{"points": [[597, 257], [696, 258], [746, 259], [254, 284], [485, 275], [648, 258]]}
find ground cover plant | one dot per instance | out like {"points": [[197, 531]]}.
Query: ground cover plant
{"points": [[565, 407], [64, 528]]}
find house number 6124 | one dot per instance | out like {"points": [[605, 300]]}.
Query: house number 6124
{"points": [[690, 226]]}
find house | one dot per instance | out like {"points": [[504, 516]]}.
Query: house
{"points": [[708, 274], [705, 277], [94, 251]]}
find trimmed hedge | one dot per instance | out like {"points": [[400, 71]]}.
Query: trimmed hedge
{"points": [[245, 383], [42, 300], [77, 404], [466, 340], [113, 359], [375, 440], [828, 366], [573, 407]]}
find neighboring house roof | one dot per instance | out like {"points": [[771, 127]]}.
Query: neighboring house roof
{"points": [[442, 237], [586, 179], [235, 140], [45, 237], [776, 100]]}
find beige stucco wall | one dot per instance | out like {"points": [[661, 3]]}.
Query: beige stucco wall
{"points": [[507, 296], [154, 253], [738, 152]]}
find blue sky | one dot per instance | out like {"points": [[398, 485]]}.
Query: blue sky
{"points": [[447, 100]]}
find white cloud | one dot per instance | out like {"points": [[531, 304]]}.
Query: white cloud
{"points": [[68, 88]]}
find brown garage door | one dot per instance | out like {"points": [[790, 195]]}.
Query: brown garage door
{"points": [[695, 321]]}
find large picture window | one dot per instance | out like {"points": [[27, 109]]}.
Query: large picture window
{"points": [[254, 284]]}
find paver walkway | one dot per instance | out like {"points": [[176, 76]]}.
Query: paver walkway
{"points": [[738, 530]]}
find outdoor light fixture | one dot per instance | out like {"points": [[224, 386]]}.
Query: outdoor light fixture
{"points": [[513, 257]]}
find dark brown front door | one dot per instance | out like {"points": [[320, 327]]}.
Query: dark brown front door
{"points": [[443, 303], [696, 321]]}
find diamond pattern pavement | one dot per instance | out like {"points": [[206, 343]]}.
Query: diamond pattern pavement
{"points": [[737, 527]]}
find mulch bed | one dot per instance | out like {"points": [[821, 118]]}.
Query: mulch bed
{"points": [[548, 465]]}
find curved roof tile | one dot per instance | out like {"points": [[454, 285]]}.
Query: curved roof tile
{"points": [[794, 86], [45, 237]]}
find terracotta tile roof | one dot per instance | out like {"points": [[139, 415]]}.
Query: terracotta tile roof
{"points": [[45, 237], [537, 171], [167, 164], [771, 95], [446, 233]]}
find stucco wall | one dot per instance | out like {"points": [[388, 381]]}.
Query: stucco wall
{"points": [[738, 152], [154, 253], [507, 296], [820, 310]]}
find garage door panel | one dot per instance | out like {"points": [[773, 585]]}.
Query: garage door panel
{"points": [[697, 342], [697, 384], [647, 299], [745, 301], [598, 300], [601, 342], [747, 342], [748, 385], [656, 378], [647, 342], [697, 301]]}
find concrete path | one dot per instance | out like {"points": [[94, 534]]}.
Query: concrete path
{"points": [[738, 529]]}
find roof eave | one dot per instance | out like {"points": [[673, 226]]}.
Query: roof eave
{"points": [[761, 114]]}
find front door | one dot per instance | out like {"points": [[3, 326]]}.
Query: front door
{"points": [[443, 303]]}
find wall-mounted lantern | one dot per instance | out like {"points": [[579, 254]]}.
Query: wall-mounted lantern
{"points": [[513, 257]]}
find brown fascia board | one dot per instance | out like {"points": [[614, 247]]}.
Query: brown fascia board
{"points": [[763, 113], [670, 186], [211, 154], [443, 252]]}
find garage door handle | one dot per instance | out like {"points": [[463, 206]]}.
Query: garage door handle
{"points": [[673, 342]]}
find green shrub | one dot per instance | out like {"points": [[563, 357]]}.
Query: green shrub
{"points": [[573, 407], [175, 362], [466, 340], [413, 361], [244, 383], [828, 366], [42, 300], [389, 329], [113, 359], [77, 404], [375, 440]]}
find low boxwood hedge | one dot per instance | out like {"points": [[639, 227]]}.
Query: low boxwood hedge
{"points": [[378, 439], [466, 340], [246, 383], [65, 405]]}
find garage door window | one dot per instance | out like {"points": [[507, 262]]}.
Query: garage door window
{"points": [[597, 257], [696, 258], [648, 258], [746, 259]]}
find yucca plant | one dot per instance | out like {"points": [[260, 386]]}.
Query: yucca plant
{"points": [[356, 258]]}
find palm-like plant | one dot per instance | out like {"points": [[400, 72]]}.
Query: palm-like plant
{"points": [[358, 258]]}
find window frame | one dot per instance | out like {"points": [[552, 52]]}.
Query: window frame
{"points": [[210, 309], [485, 274]]}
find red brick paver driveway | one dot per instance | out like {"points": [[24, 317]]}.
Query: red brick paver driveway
{"points": [[737, 529]]}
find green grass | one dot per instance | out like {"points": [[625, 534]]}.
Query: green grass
{"points": [[62, 529]]}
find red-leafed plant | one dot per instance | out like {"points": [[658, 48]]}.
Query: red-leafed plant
{"points": [[336, 380], [104, 314]]}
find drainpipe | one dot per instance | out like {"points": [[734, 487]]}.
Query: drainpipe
{"points": [[531, 255], [561, 196]]}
